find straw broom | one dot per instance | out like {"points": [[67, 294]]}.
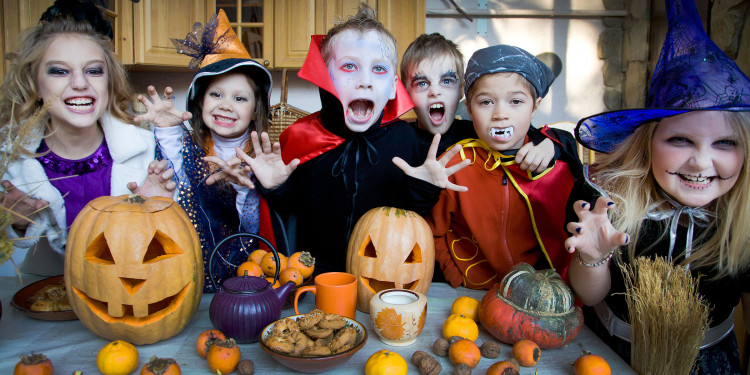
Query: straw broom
{"points": [[668, 317], [14, 135]]}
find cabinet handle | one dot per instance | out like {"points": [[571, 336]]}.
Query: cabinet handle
{"points": [[266, 62]]}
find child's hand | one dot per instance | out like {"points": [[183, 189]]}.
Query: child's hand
{"points": [[20, 204], [535, 158], [161, 112], [158, 182], [434, 170], [231, 170], [267, 164], [594, 237]]}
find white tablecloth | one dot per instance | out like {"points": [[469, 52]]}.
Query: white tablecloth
{"points": [[72, 347]]}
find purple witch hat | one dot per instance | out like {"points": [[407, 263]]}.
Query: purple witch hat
{"points": [[692, 74]]}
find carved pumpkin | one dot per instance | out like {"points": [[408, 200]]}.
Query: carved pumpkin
{"points": [[390, 248], [531, 304], [133, 268]]}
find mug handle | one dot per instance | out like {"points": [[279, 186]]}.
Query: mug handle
{"points": [[309, 288]]}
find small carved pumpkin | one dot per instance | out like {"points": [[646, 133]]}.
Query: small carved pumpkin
{"points": [[390, 248], [531, 304], [133, 268]]}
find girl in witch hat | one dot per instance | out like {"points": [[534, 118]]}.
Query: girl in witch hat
{"points": [[227, 99], [677, 170]]}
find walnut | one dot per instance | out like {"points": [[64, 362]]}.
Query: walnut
{"points": [[246, 367], [454, 339], [462, 369], [417, 357], [429, 365], [490, 349], [440, 347]]}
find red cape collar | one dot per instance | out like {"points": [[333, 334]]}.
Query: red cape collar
{"points": [[307, 138]]}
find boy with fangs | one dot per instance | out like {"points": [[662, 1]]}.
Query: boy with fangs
{"points": [[510, 215], [433, 72]]}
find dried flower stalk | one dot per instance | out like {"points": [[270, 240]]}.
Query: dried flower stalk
{"points": [[14, 134], [669, 318]]}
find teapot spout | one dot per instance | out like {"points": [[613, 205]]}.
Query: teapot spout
{"points": [[283, 291]]}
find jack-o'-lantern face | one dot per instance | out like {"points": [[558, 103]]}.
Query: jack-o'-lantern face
{"points": [[390, 248], [133, 268]]}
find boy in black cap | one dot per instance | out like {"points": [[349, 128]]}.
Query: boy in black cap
{"points": [[509, 215]]}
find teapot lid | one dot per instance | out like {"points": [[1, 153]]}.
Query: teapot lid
{"points": [[245, 284]]}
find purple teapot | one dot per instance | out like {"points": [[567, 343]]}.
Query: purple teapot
{"points": [[244, 305]]}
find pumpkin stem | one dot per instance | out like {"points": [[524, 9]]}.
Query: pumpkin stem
{"points": [[135, 198]]}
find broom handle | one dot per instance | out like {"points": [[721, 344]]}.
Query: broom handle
{"points": [[283, 86]]}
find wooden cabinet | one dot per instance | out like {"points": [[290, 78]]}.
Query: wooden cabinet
{"points": [[17, 16], [288, 24], [154, 22], [275, 32]]}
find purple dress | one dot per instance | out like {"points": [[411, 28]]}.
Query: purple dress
{"points": [[92, 177]]}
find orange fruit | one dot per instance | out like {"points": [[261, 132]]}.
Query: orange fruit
{"points": [[249, 269], [507, 367], [223, 356], [117, 358], [34, 364], [467, 306], [386, 362], [464, 351], [290, 274], [460, 325], [526, 352], [268, 263], [206, 339], [273, 284], [591, 364], [257, 255], [303, 261]]}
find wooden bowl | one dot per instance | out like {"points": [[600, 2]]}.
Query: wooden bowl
{"points": [[21, 301], [315, 364]]}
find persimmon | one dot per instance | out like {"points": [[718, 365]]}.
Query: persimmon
{"points": [[507, 367], [467, 306], [274, 284], [460, 325], [161, 366], [223, 356], [526, 352], [34, 364], [304, 262], [257, 255], [206, 339], [268, 264], [290, 274], [117, 358], [591, 364], [249, 269], [464, 351]]}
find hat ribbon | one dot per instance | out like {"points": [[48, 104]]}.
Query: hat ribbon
{"points": [[696, 215]]}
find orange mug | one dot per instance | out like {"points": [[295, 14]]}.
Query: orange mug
{"points": [[335, 293]]}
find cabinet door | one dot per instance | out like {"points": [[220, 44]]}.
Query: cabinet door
{"points": [[404, 19], [293, 24], [156, 21], [296, 20], [16, 17]]}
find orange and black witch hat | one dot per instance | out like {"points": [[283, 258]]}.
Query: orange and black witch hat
{"points": [[216, 50]]}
